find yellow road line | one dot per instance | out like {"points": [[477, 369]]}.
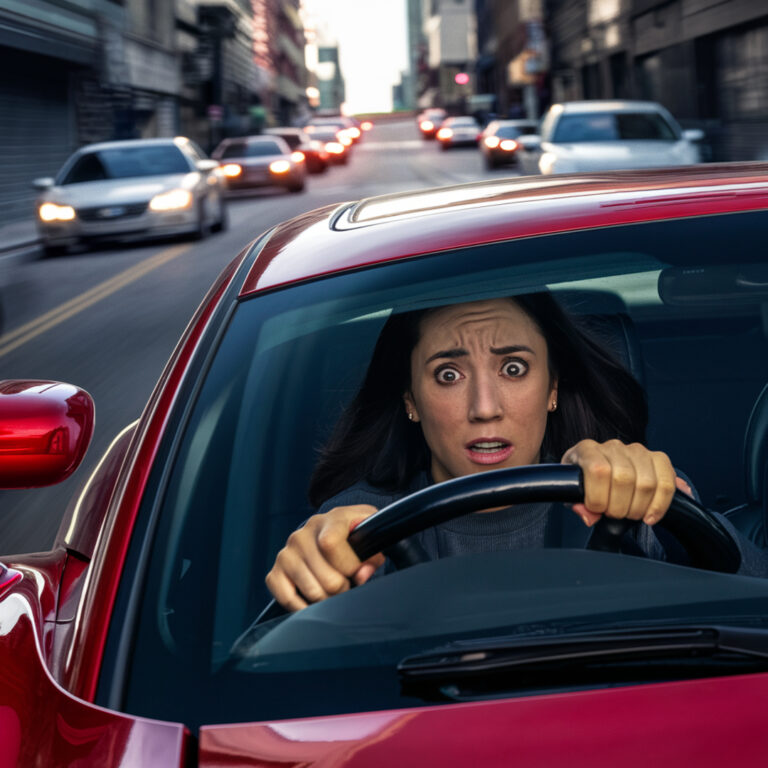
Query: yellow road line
{"points": [[19, 336]]}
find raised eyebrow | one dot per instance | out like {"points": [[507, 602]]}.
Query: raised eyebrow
{"points": [[461, 352], [510, 350], [450, 353]]}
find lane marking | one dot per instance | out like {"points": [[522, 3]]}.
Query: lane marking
{"points": [[21, 335], [383, 146]]}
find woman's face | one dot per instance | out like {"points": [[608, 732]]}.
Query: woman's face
{"points": [[480, 387]]}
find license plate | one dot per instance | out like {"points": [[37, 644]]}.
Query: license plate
{"points": [[112, 212]]}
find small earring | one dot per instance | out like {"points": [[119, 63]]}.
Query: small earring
{"points": [[554, 406], [410, 415]]}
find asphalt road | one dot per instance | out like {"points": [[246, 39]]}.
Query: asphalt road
{"points": [[108, 320]]}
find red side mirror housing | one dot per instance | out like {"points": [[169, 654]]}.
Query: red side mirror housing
{"points": [[45, 430]]}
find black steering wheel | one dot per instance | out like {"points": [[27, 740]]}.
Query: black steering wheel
{"points": [[707, 542]]}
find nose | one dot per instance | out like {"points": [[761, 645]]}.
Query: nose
{"points": [[485, 403]]}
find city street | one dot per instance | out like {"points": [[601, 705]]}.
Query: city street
{"points": [[108, 319]]}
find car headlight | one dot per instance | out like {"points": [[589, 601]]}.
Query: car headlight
{"points": [[280, 166], [231, 170], [547, 162], [53, 212], [171, 201]]}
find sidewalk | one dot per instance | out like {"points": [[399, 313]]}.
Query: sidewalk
{"points": [[18, 238]]}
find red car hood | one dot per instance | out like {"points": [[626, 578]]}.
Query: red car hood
{"points": [[715, 722]]}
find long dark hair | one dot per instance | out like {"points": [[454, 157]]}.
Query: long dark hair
{"points": [[374, 441]]}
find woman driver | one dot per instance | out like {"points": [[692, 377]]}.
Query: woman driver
{"points": [[466, 388]]}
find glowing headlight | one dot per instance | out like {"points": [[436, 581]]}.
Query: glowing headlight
{"points": [[171, 201], [334, 148], [547, 162], [280, 166], [53, 212], [492, 142], [231, 170], [444, 133], [508, 145], [298, 157]]}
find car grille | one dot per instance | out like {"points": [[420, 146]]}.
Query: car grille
{"points": [[111, 212]]}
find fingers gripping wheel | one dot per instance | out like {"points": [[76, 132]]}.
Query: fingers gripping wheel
{"points": [[706, 540]]}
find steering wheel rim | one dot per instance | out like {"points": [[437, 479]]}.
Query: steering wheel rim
{"points": [[708, 543]]}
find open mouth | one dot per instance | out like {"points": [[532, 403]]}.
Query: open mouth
{"points": [[489, 450]]}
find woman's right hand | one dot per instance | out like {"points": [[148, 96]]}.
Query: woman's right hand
{"points": [[317, 560]]}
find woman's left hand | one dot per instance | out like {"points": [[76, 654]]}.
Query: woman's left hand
{"points": [[623, 481]]}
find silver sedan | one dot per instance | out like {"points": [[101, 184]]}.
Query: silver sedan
{"points": [[129, 190]]}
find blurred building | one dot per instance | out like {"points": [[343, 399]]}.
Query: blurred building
{"points": [[330, 81], [54, 61], [451, 50], [513, 63], [417, 52], [707, 62]]}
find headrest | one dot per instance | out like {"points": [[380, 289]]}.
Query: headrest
{"points": [[616, 333], [756, 448]]}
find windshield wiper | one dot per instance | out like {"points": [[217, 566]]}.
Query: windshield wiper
{"points": [[608, 656]]}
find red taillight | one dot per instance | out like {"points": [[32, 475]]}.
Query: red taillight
{"points": [[366, 125], [444, 133], [491, 142], [426, 125], [297, 157], [509, 145]]}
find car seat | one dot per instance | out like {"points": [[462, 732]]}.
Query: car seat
{"points": [[750, 517]]}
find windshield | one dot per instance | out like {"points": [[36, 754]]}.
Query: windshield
{"points": [[127, 163], [291, 361], [609, 126], [250, 149]]}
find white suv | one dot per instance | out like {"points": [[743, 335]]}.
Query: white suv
{"points": [[607, 135]]}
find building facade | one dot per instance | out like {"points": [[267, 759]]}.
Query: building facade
{"points": [[451, 49], [706, 61]]}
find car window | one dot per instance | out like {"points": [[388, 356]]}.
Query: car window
{"points": [[612, 127], [251, 149], [127, 162], [287, 365], [291, 139]]}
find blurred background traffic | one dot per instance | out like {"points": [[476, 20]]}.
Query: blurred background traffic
{"points": [[144, 142]]}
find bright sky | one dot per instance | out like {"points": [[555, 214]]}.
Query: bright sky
{"points": [[371, 35]]}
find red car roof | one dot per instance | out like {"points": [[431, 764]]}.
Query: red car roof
{"points": [[381, 229]]}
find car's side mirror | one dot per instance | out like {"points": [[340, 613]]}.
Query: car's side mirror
{"points": [[46, 182], [206, 166], [530, 143], [693, 134], [45, 430]]}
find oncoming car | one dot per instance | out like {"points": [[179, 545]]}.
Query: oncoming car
{"points": [[250, 162], [141, 638], [128, 190], [603, 135], [459, 131]]}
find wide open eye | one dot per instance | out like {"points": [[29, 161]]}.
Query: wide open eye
{"points": [[515, 368], [447, 375]]}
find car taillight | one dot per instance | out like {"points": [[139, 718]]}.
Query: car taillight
{"points": [[298, 157], [509, 145], [426, 125], [491, 142], [280, 166], [334, 148], [366, 125], [444, 133]]}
